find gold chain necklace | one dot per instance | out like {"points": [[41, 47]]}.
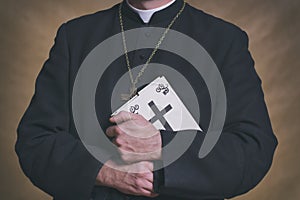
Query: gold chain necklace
{"points": [[133, 88]]}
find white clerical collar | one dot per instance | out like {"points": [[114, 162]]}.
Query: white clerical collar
{"points": [[146, 15]]}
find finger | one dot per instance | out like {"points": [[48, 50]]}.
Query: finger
{"points": [[149, 177], [143, 186], [147, 185], [114, 142], [113, 131], [153, 195], [139, 192], [123, 117], [148, 193]]}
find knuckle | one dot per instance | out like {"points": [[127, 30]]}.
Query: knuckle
{"points": [[118, 130], [122, 112], [108, 130], [124, 157], [140, 117], [139, 183], [123, 115], [149, 176], [119, 141]]}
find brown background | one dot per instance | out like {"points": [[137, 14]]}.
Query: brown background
{"points": [[27, 30]]}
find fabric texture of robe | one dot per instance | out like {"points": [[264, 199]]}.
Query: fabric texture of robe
{"points": [[57, 162]]}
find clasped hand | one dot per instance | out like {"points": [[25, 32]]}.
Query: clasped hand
{"points": [[136, 138], [138, 142]]}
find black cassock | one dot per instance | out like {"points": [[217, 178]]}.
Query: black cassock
{"points": [[56, 161]]}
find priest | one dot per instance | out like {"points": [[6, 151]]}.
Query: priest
{"points": [[54, 158]]}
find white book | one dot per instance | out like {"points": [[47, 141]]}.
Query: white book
{"points": [[159, 104]]}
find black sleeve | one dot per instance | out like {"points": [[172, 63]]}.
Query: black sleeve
{"points": [[49, 155], [244, 152]]}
